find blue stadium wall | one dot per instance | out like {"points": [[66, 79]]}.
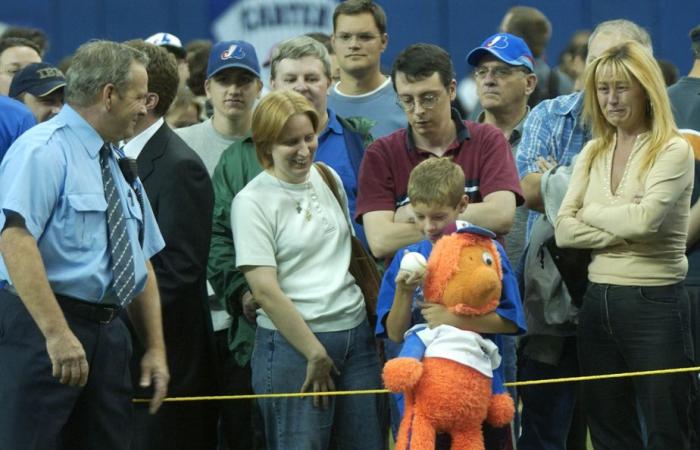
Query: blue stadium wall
{"points": [[456, 25]]}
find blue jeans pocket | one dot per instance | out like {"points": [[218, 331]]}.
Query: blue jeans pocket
{"points": [[667, 295], [676, 299]]}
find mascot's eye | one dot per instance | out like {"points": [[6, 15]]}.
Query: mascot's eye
{"points": [[488, 259]]}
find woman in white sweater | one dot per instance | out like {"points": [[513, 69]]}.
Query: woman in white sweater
{"points": [[292, 242], [629, 200]]}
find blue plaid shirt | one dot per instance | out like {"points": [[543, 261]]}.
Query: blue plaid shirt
{"points": [[554, 129]]}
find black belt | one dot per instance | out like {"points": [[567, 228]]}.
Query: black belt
{"points": [[94, 312]]}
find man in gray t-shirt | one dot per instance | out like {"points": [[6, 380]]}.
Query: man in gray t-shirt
{"points": [[233, 84], [359, 39]]}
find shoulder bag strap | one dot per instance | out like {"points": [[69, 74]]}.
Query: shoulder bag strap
{"points": [[329, 180]]}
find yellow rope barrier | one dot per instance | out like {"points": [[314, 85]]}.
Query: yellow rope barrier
{"points": [[385, 391]]}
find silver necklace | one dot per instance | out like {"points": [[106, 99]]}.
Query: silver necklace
{"points": [[297, 203]]}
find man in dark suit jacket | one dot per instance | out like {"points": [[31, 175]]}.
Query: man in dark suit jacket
{"points": [[180, 192]]}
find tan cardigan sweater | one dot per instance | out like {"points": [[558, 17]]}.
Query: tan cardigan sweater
{"points": [[638, 234]]}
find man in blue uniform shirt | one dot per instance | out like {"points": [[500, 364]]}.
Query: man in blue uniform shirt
{"points": [[75, 244]]}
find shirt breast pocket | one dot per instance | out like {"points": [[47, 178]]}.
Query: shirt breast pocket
{"points": [[86, 221], [133, 212]]}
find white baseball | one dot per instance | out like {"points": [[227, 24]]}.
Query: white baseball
{"points": [[413, 262]]}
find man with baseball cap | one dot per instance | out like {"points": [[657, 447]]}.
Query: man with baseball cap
{"points": [[232, 86], [504, 74], [505, 78], [40, 87], [172, 44]]}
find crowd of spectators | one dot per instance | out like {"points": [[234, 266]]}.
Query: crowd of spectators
{"points": [[173, 224]]}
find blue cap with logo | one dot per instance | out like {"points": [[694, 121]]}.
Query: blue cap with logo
{"points": [[231, 54], [507, 47]]}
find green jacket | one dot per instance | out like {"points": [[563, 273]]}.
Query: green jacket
{"points": [[236, 168]]}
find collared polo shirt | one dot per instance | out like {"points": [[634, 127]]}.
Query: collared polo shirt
{"points": [[517, 132], [517, 236], [333, 151], [481, 150], [51, 176]]}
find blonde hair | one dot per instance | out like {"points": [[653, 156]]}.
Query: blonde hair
{"points": [[629, 61], [271, 115], [436, 181]]}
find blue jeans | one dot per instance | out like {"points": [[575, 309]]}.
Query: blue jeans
{"points": [[350, 422], [549, 410], [629, 329]]}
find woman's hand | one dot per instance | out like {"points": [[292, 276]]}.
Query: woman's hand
{"points": [[318, 377], [249, 307]]}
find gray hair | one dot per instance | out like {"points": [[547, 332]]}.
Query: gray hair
{"points": [[624, 28], [96, 64], [297, 48]]}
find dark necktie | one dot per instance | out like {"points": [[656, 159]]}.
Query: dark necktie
{"points": [[122, 263]]}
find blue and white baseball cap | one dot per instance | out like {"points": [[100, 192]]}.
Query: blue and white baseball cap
{"points": [[230, 54], [170, 42], [462, 226], [507, 47]]}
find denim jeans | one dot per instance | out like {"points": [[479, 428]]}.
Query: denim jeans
{"points": [[548, 412], [629, 329], [350, 422]]}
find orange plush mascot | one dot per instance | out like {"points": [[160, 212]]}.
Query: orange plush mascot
{"points": [[448, 375]]}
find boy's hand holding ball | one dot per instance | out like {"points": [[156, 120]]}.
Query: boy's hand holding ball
{"points": [[411, 271]]}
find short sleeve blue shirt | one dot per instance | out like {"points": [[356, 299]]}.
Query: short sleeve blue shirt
{"points": [[332, 151], [51, 177]]}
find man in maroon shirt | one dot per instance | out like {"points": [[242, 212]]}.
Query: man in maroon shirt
{"points": [[423, 78]]}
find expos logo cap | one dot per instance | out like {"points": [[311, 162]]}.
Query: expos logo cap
{"points": [[507, 47], [229, 54]]}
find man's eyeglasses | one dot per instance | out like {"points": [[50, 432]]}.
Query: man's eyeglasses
{"points": [[362, 38], [498, 73], [426, 101]]}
